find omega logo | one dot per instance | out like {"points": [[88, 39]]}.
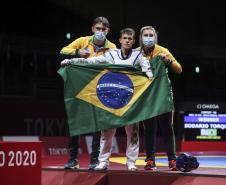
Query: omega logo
{"points": [[208, 106]]}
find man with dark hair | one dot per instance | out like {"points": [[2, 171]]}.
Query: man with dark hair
{"points": [[85, 47]]}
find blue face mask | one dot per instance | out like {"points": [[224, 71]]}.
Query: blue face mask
{"points": [[99, 35], [148, 41]]}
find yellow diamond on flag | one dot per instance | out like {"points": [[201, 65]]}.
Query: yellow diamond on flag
{"points": [[115, 92]]}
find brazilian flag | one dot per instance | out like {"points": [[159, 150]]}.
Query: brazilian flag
{"points": [[100, 97]]}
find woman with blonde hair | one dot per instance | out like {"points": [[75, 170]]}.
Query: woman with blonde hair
{"points": [[149, 47]]}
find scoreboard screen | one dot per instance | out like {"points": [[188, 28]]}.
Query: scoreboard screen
{"points": [[202, 122]]}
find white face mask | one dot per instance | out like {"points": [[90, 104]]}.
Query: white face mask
{"points": [[99, 35], [148, 41]]}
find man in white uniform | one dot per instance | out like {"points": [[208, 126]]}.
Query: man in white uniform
{"points": [[124, 56]]}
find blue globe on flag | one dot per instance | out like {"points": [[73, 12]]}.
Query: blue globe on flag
{"points": [[115, 90]]}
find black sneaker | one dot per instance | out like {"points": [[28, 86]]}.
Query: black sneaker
{"points": [[92, 166], [150, 165], [72, 164], [93, 163]]}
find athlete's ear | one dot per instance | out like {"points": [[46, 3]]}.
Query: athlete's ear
{"points": [[120, 40], [93, 29], [107, 31]]}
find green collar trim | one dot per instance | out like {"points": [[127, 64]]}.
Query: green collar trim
{"points": [[91, 41]]}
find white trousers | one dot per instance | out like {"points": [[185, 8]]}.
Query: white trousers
{"points": [[132, 149]]}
